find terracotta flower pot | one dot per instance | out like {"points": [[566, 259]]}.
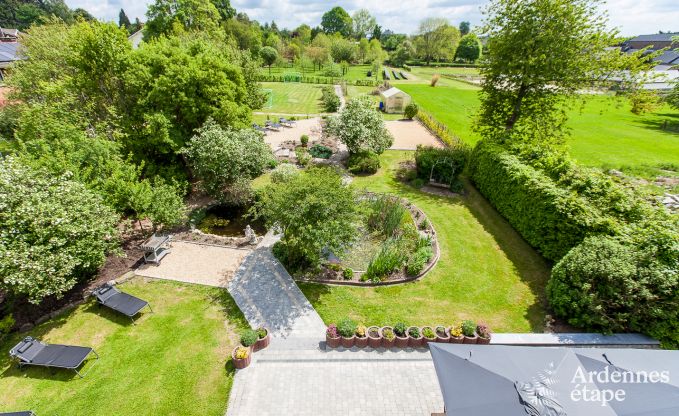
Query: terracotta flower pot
{"points": [[262, 342], [415, 342], [457, 340], [426, 340], [348, 342], [332, 342], [361, 342], [482, 340], [387, 343], [442, 334], [470, 340], [401, 342], [374, 337], [243, 362]]}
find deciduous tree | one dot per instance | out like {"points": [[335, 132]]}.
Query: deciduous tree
{"points": [[361, 127], [469, 49], [269, 56], [337, 20], [364, 23]]}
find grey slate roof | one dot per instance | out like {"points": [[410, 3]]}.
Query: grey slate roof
{"points": [[668, 57], [657, 37], [8, 52]]}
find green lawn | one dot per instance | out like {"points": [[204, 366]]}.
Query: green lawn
{"points": [[173, 362], [294, 98], [486, 271], [355, 71], [604, 132]]}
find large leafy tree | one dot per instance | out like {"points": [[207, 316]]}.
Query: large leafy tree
{"points": [[361, 127], [269, 56], [337, 20], [225, 159], [540, 53], [436, 39], [166, 17], [342, 50], [315, 212], [363, 22], [469, 49], [22, 14], [53, 232]]}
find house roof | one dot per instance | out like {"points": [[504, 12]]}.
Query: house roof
{"points": [[391, 92], [9, 33], [8, 52], [668, 57], [657, 37]]}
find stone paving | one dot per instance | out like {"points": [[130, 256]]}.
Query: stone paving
{"points": [[295, 375]]}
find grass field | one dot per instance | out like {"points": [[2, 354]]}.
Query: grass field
{"points": [[294, 98], [173, 362], [486, 272], [604, 132]]}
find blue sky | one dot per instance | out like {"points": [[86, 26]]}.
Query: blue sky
{"points": [[630, 16]]}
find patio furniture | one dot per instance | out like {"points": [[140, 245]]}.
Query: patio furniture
{"points": [[403, 75], [273, 126], [258, 128], [155, 248], [124, 303], [30, 351], [287, 123], [25, 413]]}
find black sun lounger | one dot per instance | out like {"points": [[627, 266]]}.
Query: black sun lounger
{"points": [[111, 297], [30, 351], [26, 413]]}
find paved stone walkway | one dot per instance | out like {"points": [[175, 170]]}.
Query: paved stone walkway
{"points": [[297, 376]]}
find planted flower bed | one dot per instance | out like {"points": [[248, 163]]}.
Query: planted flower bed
{"points": [[398, 244], [251, 341], [348, 334]]}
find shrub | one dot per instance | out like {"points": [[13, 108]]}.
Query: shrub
{"points": [[320, 151], [284, 173], [418, 260], [333, 71], [443, 165], [483, 330], [606, 285], [6, 325], [424, 224], [331, 102], [434, 80], [388, 334], [348, 274], [388, 260], [361, 127], [468, 328], [360, 331], [418, 183], [400, 329], [363, 161], [346, 328], [386, 214], [304, 139], [441, 131], [414, 332], [423, 241], [428, 333], [242, 353], [303, 157], [332, 331], [411, 111], [248, 337], [262, 333]]}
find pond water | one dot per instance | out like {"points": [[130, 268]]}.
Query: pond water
{"points": [[229, 221]]}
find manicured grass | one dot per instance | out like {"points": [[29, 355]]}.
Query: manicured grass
{"points": [[173, 362], [486, 272], [605, 133], [355, 72], [294, 98]]}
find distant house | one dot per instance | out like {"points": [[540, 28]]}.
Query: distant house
{"points": [[655, 42], [136, 38], [9, 43], [394, 100], [9, 35]]}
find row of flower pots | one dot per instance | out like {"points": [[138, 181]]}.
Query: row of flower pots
{"points": [[251, 341], [347, 334]]}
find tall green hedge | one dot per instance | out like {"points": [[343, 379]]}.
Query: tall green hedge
{"points": [[553, 219]]}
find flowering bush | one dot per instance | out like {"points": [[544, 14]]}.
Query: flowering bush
{"points": [[242, 353], [361, 127], [332, 331], [456, 331], [483, 330]]}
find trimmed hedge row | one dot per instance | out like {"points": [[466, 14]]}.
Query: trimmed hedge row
{"points": [[319, 80], [440, 130], [551, 218]]}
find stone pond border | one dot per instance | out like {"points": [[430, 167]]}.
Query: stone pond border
{"points": [[412, 208]]}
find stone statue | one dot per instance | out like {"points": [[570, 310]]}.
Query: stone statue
{"points": [[250, 235]]}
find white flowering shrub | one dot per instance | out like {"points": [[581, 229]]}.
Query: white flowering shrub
{"points": [[361, 127]]}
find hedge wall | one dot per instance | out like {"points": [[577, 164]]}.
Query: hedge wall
{"points": [[320, 80], [551, 218]]}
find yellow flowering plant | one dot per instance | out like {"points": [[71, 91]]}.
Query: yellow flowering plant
{"points": [[456, 330], [242, 353]]}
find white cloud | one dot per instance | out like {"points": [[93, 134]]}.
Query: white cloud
{"points": [[631, 16]]}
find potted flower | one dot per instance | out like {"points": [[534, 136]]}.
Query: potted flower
{"points": [[361, 336], [242, 356], [388, 337], [484, 333], [347, 330], [248, 338], [400, 331], [263, 339], [428, 334], [332, 338], [415, 338], [442, 334], [455, 332], [469, 332], [374, 337]]}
